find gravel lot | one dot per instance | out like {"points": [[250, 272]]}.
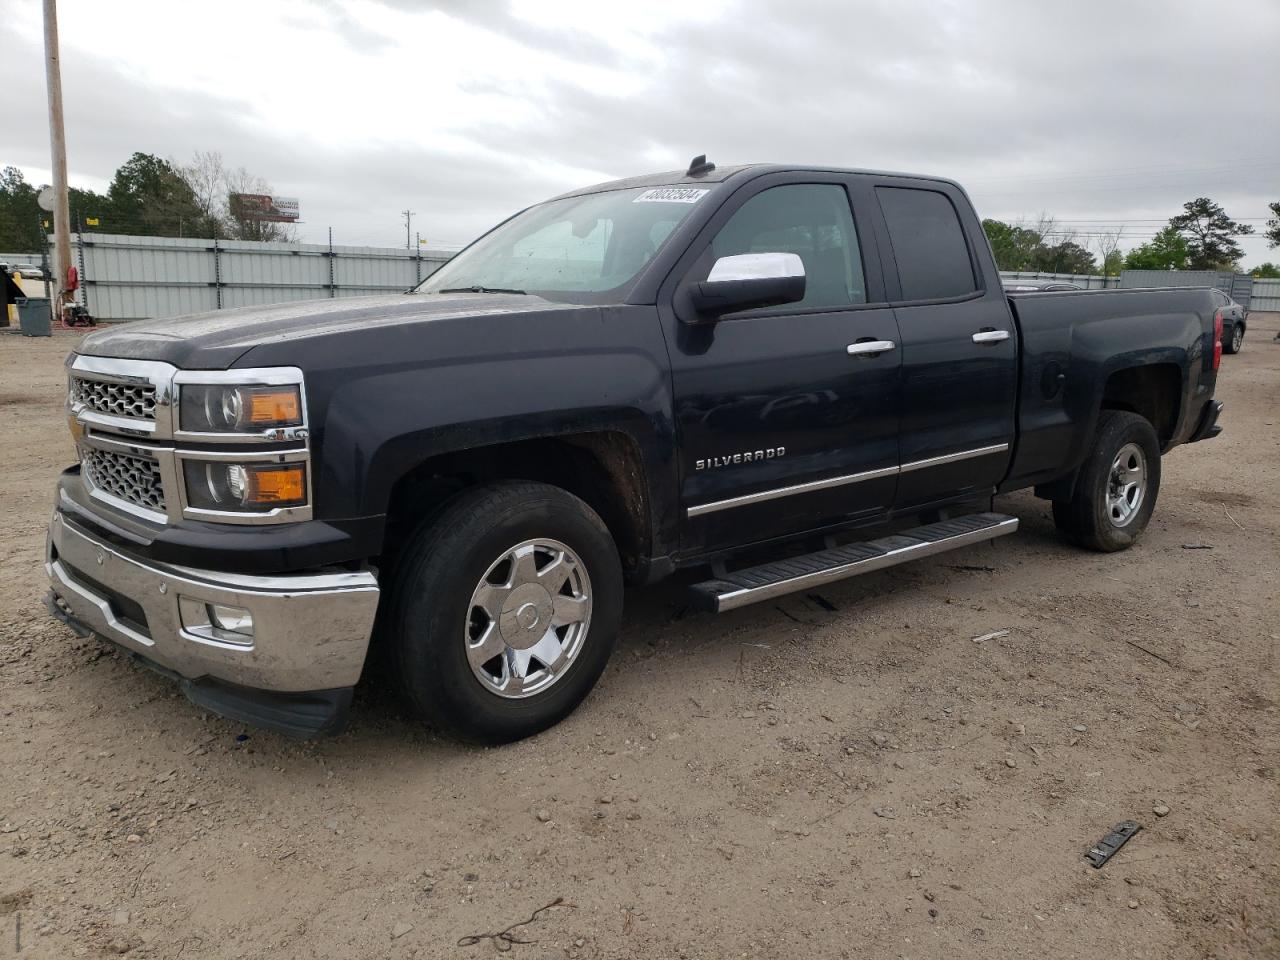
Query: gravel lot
{"points": [[840, 775]]}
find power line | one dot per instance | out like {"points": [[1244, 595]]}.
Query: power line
{"points": [[1123, 220], [1123, 172]]}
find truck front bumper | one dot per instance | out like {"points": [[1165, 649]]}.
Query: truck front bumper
{"points": [[292, 669]]}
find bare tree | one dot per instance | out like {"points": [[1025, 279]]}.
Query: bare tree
{"points": [[1108, 242], [212, 183], [206, 175]]}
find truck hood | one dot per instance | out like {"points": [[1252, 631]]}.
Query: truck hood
{"points": [[214, 341]]}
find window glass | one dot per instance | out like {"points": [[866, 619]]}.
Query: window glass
{"points": [[811, 220], [573, 247], [928, 244]]}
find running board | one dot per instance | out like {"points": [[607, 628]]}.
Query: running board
{"points": [[768, 580]]}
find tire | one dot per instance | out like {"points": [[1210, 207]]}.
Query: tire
{"points": [[486, 544], [1233, 343], [1105, 513]]}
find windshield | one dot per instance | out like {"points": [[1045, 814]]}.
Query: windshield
{"points": [[571, 248]]}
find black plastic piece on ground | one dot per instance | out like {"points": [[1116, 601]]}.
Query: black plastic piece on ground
{"points": [[1104, 849]]}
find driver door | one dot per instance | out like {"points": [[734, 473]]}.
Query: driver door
{"points": [[787, 423]]}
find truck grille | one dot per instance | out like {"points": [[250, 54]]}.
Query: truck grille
{"points": [[137, 401], [133, 479]]}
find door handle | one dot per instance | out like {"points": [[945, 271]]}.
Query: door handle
{"points": [[867, 347], [990, 336]]}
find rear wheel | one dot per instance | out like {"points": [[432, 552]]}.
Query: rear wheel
{"points": [[1235, 341], [1116, 490], [505, 611]]}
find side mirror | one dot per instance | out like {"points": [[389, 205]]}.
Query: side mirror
{"points": [[749, 280]]}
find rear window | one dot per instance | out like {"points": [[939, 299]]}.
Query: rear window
{"points": [[928, 244]]}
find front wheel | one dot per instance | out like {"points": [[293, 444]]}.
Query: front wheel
{"points": [[1117, 487], [505, 611]]}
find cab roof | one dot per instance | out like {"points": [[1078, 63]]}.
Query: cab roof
{"points": [[680, 178]]}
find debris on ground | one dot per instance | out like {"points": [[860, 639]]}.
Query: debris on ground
{"points": [[995, 635], [503, 940], [1105, 849]]}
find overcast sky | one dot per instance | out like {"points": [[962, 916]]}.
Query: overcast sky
{"points": [[1094, 112]]}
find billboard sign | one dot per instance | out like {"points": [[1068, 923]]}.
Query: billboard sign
{"points": [[260, 206]]}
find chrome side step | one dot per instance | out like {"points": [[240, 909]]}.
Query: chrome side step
{"points": [[753, 584]]}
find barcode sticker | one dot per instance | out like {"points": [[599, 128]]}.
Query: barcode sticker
{"points": [[672, 195]]}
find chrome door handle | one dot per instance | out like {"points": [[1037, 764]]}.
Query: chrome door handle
{"points": [[990, 336], [869, 346]]}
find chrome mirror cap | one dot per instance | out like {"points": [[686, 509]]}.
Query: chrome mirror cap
{"points": [[756, 266]]}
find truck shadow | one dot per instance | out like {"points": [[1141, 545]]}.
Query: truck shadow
{"points": [[671, 639]]}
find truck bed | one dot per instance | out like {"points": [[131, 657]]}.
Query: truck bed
{"points": [[1072, 343]]}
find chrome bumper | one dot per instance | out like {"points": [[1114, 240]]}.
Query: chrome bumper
{"points": [[311, 631]]}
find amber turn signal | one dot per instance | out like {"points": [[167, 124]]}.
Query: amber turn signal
{"points": [[274, 406], [277, 485]]}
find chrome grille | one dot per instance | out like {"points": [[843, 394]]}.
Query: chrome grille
{"points": [[133, 479], [137, 401]]}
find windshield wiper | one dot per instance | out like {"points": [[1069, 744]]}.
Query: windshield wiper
{"points": [[479, 289]]}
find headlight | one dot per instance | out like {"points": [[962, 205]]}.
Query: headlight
{"points": [[244, 487], [238, 408]]}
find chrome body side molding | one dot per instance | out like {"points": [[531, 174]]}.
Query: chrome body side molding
{"points": [[798, 488]]}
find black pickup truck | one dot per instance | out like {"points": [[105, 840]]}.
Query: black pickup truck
{"points": [[739, 370]]}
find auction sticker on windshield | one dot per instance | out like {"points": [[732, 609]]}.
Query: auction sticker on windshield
{"points": [[672, 195]]}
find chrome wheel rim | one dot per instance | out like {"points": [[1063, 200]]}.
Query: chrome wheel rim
{"points": [[528, 618], [1126, 485], [1237, 338]]}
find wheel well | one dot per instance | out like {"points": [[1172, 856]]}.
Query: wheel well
{"points": [[1150, 391], [604, 469]]}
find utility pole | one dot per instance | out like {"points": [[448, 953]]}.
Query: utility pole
{"points": [[58, 146], [408, 219]]}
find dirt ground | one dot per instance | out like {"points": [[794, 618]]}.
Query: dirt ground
{"points": [[845, 774]]}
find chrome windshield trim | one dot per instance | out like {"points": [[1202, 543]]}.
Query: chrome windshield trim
{"points": [[704, 508]]}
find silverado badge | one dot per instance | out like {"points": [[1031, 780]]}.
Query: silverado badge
{"points": [[748, 456]]}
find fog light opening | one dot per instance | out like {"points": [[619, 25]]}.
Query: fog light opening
{"points": [[216, 621], [231, 619]]}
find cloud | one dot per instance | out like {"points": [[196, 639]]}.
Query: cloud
{"points": [[466, 111]]}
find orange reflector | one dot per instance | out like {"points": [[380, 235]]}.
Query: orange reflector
{"points": [[274, 406], [278, 485]]}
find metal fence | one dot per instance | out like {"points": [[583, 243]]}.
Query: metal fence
{"points": [[1089, 281], [1266, 295], [1238, 285], [128, 278], [24, 259]]}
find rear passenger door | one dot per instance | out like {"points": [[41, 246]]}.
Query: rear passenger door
{"points": [[959, 344]]}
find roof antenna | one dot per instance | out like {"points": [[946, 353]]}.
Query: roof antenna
{"points": [[699, 167]]}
